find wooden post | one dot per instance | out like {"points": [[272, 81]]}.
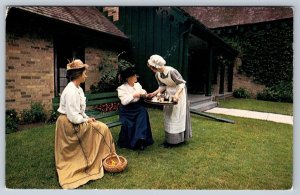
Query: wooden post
{"points": [[230, 76], [209, 71], [222, 76]]}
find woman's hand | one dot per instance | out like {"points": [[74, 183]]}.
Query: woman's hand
{"points": [[175, 98], [154, 93], [150, 95], [177, 94], [136, 95], [144, 95]]}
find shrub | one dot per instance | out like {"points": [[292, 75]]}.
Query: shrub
{"points": [[11, 121], [266, 51], [282, 92], [35, 114], [53, 117], [241, 93], [26, 116], [109, 81]]}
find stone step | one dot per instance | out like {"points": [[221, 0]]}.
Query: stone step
{"points": [[226, 95], [196, 100], [204, 106]]}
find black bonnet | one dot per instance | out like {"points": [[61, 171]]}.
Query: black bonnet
{"points": [[128, 72]]}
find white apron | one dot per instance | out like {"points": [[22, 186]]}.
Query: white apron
{"points": [[174, 115]]}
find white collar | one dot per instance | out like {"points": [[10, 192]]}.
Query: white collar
{"points": [[74, 86], [166, 70], [130, 85]]}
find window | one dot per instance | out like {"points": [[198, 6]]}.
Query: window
{"points": [[65, 51]]}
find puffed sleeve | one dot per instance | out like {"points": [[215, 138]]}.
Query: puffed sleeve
{"points": [[139, 88], [124, 96], [73, 108], [177, 78]]}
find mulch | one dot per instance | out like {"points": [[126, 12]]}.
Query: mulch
{"points": [[29, 126]]}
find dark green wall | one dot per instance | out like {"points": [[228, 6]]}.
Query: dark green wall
{"points": [[154, 30]]}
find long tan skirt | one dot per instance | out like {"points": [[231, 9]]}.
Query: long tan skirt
{"points": [[80, 150]]}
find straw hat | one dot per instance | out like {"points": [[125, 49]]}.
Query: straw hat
{"points": [[156, 61], [76, 64]]}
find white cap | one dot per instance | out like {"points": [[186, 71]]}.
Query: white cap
{"points": [[156, 61]]}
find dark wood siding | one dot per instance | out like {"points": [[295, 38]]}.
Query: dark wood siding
{"points": [[167, 31], [153, 31]]}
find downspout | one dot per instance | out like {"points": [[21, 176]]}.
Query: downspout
{"points": [[183, 51]]}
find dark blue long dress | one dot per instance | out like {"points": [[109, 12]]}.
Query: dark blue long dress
{"points": [[135, 125]]}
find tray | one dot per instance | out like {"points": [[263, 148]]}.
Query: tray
{"points": [[160, 103]]}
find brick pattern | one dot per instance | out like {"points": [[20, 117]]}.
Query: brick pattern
{"points": [[96, 58], [239, 81], [216, 87], [247, 83], [113, 12], [30, 59], [243, 81], [29, 72]]}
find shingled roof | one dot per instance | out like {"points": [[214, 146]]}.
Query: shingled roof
{"points": [[215, 17], [89, 17]]}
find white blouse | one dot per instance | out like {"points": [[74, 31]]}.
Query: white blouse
{"points": [[73, 104], [125, 92]]}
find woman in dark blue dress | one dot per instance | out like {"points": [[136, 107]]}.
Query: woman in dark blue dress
{"points": [[135, 131]]}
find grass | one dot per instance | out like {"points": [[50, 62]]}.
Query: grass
{"points": [[250, 154], [258, 105]]}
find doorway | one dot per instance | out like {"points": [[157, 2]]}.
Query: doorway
{"points": [[197, 65], [197, 68]]}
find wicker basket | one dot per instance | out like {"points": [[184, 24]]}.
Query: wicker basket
{"points": [[114, 163]]}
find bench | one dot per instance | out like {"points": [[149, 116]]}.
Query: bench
{"points": [[102, 106]]}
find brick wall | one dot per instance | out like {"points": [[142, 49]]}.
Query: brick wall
{"points": [[247, 83], [242, 81], [113, 12], [30, 59], [29, 71], [216, 87], [239, 81], [95, 58]]}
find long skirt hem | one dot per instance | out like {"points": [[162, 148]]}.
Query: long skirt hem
{"points": [[135, 126], [82, 181], [80, 150]]}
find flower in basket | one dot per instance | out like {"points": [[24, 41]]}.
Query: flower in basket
{"points": [[113, 163]]}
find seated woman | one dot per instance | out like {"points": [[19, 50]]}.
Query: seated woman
{"points": [[81, 142], [135, 131]]}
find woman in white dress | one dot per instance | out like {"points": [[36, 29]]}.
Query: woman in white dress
{"points": [[176, 117]]}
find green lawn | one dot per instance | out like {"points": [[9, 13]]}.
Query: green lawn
{"points": [[257, 105], [250, 154]]}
